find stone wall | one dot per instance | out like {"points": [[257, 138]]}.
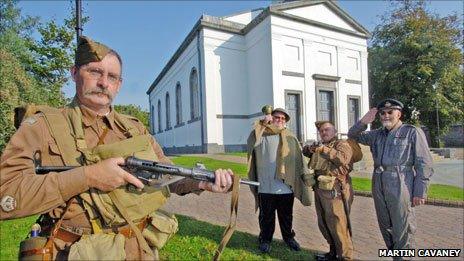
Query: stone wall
{"points": [[455, 136]]}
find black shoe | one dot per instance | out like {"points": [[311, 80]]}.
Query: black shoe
{"points": [[292, 244], [326, 257], [264, 247]]}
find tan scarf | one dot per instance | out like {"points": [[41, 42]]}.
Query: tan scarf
{"points": [[283, 150]]}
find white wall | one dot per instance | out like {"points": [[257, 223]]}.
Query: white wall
{"points": [[238, 82], [226, 85], [323, 52], [259, 66], [190, 133]]}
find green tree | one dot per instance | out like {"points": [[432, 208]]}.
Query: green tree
{"points": [[412, 51], [31, 70], [135, 111]]}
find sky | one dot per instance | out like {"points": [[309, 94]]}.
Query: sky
{"points": [[147, 33]]}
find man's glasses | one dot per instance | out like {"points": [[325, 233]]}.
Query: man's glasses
{"points": [[383, 113], [97, 74], [282, 118]]}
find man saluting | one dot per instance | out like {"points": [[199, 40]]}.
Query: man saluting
{"points": [[403, 167]]}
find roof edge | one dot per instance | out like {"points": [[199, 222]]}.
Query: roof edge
{"points": [[205, 21], [218, 23], [319, 24], [329, 3]]}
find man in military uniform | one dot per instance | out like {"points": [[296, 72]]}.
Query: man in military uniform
{"points": [[87, 212], [332, 162], [276, 161], [402, 169]]}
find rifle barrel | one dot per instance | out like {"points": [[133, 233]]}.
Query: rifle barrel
{"points": [[152, 166]]}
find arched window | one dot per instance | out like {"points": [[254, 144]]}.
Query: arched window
{"points": [[159, 116], [194, 95], [178, 104], [168, 112], [152, 116]]}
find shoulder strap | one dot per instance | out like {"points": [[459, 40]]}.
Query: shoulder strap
{"points": [[229, 231]]}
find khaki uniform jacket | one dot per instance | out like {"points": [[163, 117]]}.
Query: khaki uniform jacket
{"points": [[37, 194], [339, 153]]}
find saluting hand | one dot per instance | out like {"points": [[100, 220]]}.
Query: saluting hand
{"points": [[369, 116], [222, 182], [108, 175]]}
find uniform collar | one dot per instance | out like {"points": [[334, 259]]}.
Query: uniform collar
{"points": [[89, 117]]}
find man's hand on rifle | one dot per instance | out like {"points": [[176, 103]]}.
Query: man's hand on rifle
{"points": [[222, 183], [108, 175]]}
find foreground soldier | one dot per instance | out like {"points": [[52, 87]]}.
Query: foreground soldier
{"points": [[89, 214], [403, 166], [275, 160], [332, 162]]}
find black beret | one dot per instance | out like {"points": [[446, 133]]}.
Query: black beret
{"points": [[390, 104]]}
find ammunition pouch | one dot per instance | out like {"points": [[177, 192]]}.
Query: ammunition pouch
{"points": [[162, 226], [101, 246], [326, 182]]}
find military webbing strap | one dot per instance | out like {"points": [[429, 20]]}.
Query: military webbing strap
{"points": [[75, 119], [76, 116], [138, 234], [229, 231]]}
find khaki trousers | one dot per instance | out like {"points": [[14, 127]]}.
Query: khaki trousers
{"points": [[332, 219]]}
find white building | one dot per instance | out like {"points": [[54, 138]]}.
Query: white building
{"points": [[309, 57]]}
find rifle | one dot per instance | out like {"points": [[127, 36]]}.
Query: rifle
{"points": [[151, 173]]}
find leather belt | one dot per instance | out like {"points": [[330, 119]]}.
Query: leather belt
{"points": [[127, 231], [392, 168], [73, 234]]}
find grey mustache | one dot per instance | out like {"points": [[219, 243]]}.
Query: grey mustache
{"points": [[103, 91]]}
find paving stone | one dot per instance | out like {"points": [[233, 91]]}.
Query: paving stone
{"points": [[438, 227]]}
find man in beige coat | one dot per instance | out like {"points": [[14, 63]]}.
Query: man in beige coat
{"points": [[275, 160]]}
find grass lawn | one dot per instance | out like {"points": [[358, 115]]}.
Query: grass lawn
{"points": [[211, 164], [362, 184], [195, 240], [240, 154], [436, 191], [11, 233]]}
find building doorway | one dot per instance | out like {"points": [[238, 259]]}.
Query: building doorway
{"points": [[293, 106], [353, 111]]}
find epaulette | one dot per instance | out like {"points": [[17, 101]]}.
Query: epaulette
{"points": [[131, 118]]}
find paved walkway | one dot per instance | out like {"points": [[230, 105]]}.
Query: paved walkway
{"points": [[438, 227]]}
